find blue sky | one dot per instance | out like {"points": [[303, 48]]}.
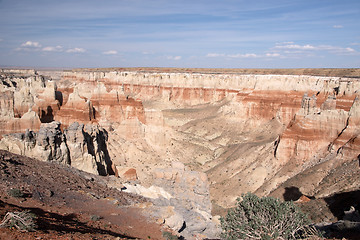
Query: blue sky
{"points": [[180, 33]]}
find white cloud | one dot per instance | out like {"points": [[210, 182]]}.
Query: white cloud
{"points": [[174, 57], [340, 50], [338, 26], [247, 55], [215, 55], [36, 46], [286, 43], [76, 50], [300, 49], [110, 52], [53, 49], [295, 46], [290, 49], [329, 47], [272, 55], [350, 49], [335, 49], [238, 55], [30, 44]]}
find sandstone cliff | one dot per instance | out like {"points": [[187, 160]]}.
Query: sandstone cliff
{"points": [[83, 147], [26, 100]]}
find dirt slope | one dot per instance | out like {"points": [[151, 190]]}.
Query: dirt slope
{"points": [[68, 203]]}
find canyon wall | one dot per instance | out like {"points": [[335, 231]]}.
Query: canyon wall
{"points": [[258, 133]]}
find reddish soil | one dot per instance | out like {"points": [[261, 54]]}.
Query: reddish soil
{"points": [[68, 203]]}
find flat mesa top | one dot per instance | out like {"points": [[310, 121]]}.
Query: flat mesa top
{"points": [[321, 72], [326, 72]]}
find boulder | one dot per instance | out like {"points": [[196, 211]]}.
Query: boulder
{"points": [[127, 173]]}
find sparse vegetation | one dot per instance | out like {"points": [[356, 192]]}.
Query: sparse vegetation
{"points": [[24, 221], [95, 218], [17, 193], [264, 218], [169, 236]]}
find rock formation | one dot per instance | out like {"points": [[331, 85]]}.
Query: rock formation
{"points": [[88, 148], [48, 144], [26, 100], [181, 201], [83, 147]]}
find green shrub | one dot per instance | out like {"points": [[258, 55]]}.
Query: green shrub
{"points": [[169, 236], [17, 193], [263, 218], [95, 218]]}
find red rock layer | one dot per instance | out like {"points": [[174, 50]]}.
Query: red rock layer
{"points": [[316, 133]]}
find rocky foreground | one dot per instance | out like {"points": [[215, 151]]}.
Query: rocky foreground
{"points": [[69, 204], [193, 140]]}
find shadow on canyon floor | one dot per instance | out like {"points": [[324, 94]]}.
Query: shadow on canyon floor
{"points": [[292, 194]]}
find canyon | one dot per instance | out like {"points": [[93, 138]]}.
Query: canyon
{"points": [[202, 137]]}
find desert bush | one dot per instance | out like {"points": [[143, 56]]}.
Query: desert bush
{"points": [[263, 218], [24, 221], [169, 236], [95, 218], [17, 193]]}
